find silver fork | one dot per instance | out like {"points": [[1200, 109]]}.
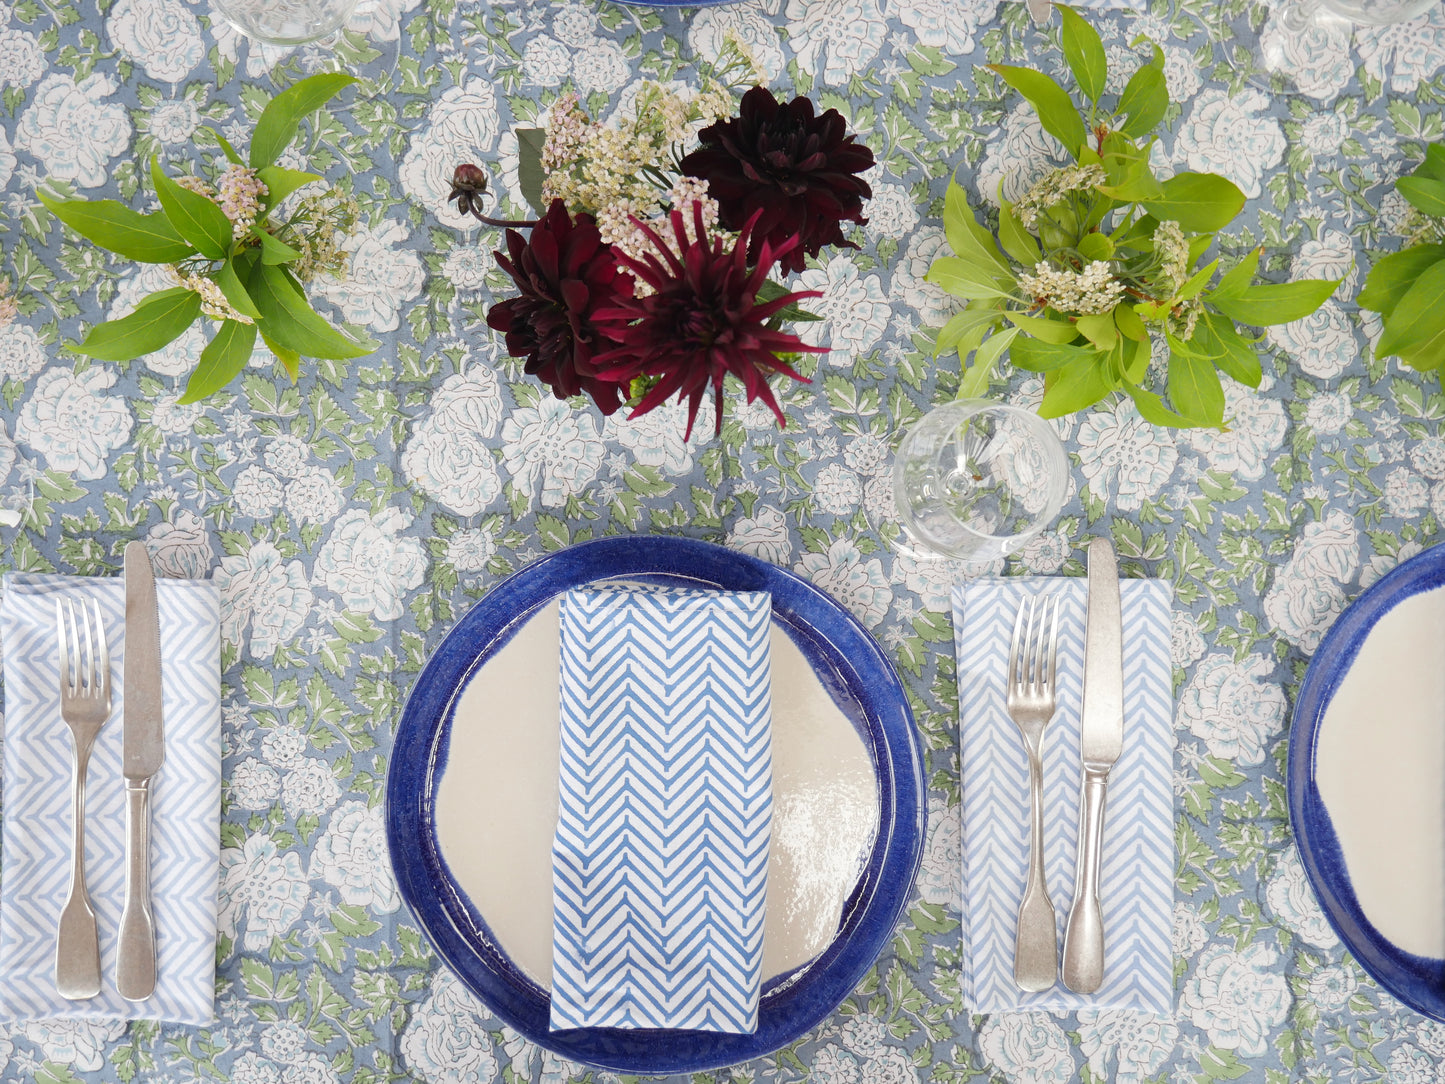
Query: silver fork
{"points": [[1032, 669], [85, 706]]}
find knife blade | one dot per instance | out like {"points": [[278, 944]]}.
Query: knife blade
{"points": [[1101, 740], [143, 753]]}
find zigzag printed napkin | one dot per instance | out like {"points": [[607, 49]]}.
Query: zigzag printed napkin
{"points": [[185, 814], [659, 867], [1137, 879]]}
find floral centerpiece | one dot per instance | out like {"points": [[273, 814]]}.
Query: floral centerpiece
{"points": [[1100, 261], [651, 271], [1407, 288], [234, 257]]}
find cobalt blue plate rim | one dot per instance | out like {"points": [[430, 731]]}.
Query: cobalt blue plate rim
{"points": [[1416, 980], [848, 662]]}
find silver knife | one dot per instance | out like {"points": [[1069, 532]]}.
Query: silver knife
{"points": [[1101, 738], [144, 749]]}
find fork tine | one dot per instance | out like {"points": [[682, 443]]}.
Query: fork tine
{"points": [[1015, 651], [73, 668], [1037, 614], [1054, 646], [64, 650], [103, 675]]}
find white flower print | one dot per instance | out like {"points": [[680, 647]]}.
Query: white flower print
{"points": [[709, 27], [854, 308], [21, 59], [179, 356], [466, 267], [1018, 159], [310, 1068], [368, 565], [162, 36], [1186, 642], [72, 130], [1256, 430], [837, 490], [380, 20], [313, 495], [77, 1043], [444, 1041], [1232, 709], [7, 159], [931, 577], [1405, 494], [1029, 1048], [252, 784], [381, 280], [1316, 56], [251, 1068], [70, 422], [835, 39], [462, 127], [470, 549], [1328, 412], [1138, 1044], [867, 454], [655, 439], [1331, 987], [1428, 456], [940, 879], [1381, 563], [1237, 997], [891, 211], [552, 448], [546, 61], [1124, 456], [1292, 900], [173, 418], [182, 547], [265, 883], [857, 582], [832, 1064], [257, 493], [601, 66], [1324, 134], [309, 787], [260, 589], [1232, 134], [21, 354], [1045, 553], [945, 24], [1306, 595], [1189, 933], [1402, 55], [174, 122], [284, 1042], [284, 746], [287, 456], [1331, 255], [455, 469], [864, 1034], [351, 855], [933, 307], [764, 534], [574, 25]]}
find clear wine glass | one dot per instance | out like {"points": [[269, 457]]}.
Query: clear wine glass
{"points": [[1299, 30], [976, 480]]}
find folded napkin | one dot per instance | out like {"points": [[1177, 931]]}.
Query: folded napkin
{"points": [[1137, 878], [185, 803], [659, 868]]}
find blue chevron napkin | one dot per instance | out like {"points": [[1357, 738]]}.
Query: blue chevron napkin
{"points": [[1137, 885], [659, 868], [186, 809]]}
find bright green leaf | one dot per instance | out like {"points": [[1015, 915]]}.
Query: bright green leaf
{"points": [[1038, 356], [1073, 387], [1096, 246], [1056, 112], [290, 360], [280, 120], [280, 182], [1099, 329], [1130, 325], [194, 217], [966, 237], [290, 321], [1237, 279], [1041, 327], [114, 226], [1152, 409], [1199, 202], [1434, 164], [1217, 336], [226, 148], [1424, 194], [962, 278], [1275, 303], [235, 290], [1394, 274], [1419, 317], [158, 320], [1144, 100], [1197, 281], [1194, 388], [273, 249], [1016, 240], [530, 174], [1084, 52], [223, 358], [960, 325], [975, 380]]}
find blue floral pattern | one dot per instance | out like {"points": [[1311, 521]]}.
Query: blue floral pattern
{"points": [[350, 518]]}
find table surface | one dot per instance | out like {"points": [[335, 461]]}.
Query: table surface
{"points": [[350, 522]]}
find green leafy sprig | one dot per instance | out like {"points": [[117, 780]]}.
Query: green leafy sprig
{"points": [[246, 276], [1100, 259], [1407, 288]]}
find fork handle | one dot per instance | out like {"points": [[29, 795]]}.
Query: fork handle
{"points": [[1084, 934], [135, 962], [77, 947], [1036, 954]]}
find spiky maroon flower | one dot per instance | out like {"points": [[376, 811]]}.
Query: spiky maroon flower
{"points": [[792, 170], [565, 273], [702, 321]]}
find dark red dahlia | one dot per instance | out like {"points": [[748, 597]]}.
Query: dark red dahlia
{"points": [[702, 321], [565, 273], [797, 172]]}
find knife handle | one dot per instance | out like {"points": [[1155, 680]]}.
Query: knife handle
{"points": [[1083, 970], [135, 962]]}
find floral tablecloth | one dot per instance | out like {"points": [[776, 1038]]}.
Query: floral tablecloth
{"points": [[349, 519]]}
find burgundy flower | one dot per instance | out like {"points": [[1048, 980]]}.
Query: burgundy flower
{"points": [[702, 321], [565, 273], [792, 169]]}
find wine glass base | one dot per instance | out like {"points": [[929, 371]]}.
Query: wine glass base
{"points": [[372, 62]]}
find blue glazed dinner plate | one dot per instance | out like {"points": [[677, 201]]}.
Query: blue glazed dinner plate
{"points": [[1417, 980], [847, 662]]}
